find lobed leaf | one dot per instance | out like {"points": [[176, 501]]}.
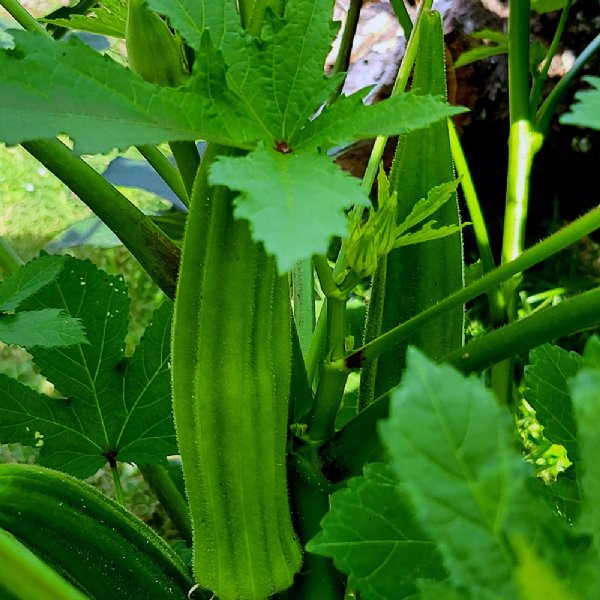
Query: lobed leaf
{"points": [[547, 390], [371, 534], [110, 408], [111, 107], [294, 202], [453, 448], [586, 110], [349, 119]]}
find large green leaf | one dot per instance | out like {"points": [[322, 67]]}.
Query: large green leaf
{"points": [[547, 390], [586, 111], [110, 408], [50, 87], [453, 448], [371, 534], [294, 202]]}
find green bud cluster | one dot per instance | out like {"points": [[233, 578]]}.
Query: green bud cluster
{"points": [[375, 237]]}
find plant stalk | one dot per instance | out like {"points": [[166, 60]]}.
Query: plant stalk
{"points": [[22, 17], [159, 481], [154, 250], [560, 240]]}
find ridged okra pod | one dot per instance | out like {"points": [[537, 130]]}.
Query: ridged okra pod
{"points": [[413, 278], [231, 382]]}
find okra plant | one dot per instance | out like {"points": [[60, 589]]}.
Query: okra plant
{"points": [[323, 456]]}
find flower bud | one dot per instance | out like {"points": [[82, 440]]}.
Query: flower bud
{"points": [[152, 50]]}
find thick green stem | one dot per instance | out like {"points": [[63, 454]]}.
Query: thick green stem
{"points": [[530, 257], [566, 318], [160, 482], [522, 146], [538, 84], [170, 175], [318, 577], [157, 254]]}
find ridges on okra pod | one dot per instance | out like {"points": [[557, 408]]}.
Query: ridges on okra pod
{"points": [[231, 382]]}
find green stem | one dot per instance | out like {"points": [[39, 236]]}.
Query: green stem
{"points": [[318, 577], [316, 351], [548, 108], [402, 16], [157, 254], [114, 469], [530, 257], [22, 17], [341, 456], [474, 206], [9, 260], [332, 379], [495, 300], [521, 147], [568, 317], [187, 160], [160, 482], [342, 61], [538, 83], [170, 175]]}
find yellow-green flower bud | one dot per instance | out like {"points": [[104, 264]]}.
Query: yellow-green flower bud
{"points": [[361, 252], [152, 50], [385, 224]]}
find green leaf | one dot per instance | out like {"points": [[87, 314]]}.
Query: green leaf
{"points": [[294, 202], [107, 18], [547, 390], [28, 279], [586, 110], [544, 6], [585, 388], [479, 53], [191, 18], [349, 119], [500, 46], [50, 327], [453, 448], [591, 352], [425, 207], [111, 107], [110, 408], [428, 233], [371, 535]]}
